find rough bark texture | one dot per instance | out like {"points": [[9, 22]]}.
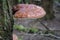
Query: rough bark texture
{"points": [[48, 6], [35, 2], [6, 20]]}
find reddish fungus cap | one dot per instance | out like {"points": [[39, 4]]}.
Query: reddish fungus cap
{"points": [[15, 37], [28, 11]]}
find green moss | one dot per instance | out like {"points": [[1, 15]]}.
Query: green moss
{"points": [[19, 27], [33, 30]]}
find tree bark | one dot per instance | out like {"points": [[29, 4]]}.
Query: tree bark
{"points": [[37, 2], [48, 6], [6, 20]]}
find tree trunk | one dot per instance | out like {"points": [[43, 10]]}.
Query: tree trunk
{"points": [[6, 20], [48, 6], [37, 2]]}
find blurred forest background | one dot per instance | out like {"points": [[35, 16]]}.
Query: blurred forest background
{"points": [[52, 18]]}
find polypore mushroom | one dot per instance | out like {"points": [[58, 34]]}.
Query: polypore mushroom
{"points": [[28, 11], [15, 37]]}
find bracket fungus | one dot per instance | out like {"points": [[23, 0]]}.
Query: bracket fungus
{"points": [[15, 37], [28, 11]]}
